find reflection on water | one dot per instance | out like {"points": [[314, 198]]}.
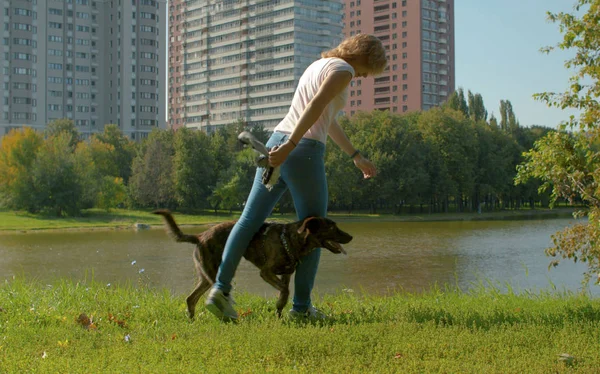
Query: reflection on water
{"points": [[383, 257]]}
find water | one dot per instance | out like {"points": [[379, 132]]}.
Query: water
{"points": [[382, 258]]}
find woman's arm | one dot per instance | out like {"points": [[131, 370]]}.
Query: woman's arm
{"points": [[333, 85], [337, 134]]}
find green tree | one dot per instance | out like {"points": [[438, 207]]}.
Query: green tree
{"points": [[233, 174], [94, 161], [152, 180], [568, 161], [63, 126], [123, 150], [235, 183], [58, 186], [452, 148], [508, 120], [493, 122], [18, 151], [477, 110], [194, 171], [343, 180], [459, 102], [112, 193]]}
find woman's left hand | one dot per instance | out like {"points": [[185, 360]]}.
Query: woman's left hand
{"points": [[367, 167], [278, 154]]}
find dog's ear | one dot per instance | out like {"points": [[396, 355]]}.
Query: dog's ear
{"points": [[306, 224]]}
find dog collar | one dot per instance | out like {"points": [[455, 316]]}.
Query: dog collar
{"points": [[287, 247]]}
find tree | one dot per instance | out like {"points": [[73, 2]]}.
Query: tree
{"points": [[123, 150], [568, 161], [508, 120], [193, 164], [112, 193], [94, 161], [452, 146], [235, 183], [477, 110], [233, 171], [493, 122], [152, 180], [63, 126], [458, 102], [58, 186], [18, 150]]}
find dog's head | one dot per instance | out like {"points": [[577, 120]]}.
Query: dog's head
{"points": [[324, 233]]}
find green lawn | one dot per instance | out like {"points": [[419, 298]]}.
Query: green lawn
{"points": [[95, 218], [139, 330], [121, 218]]}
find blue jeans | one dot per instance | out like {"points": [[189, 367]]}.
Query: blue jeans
{"points": [[303, 172]]}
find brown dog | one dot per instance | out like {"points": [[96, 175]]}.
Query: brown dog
{"points": [[275, 249]]}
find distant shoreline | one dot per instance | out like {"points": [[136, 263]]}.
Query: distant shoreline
{"points": [[95, 220]]}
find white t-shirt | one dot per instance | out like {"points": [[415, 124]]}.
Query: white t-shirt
{"points": [[308, 86]]}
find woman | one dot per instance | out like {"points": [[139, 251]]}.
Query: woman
{"points": [[298, 145]]}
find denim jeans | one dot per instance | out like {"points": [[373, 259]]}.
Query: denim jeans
{"points": [[303, 172]]}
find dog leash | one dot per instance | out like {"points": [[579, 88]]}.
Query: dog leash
{"points": [[287, 247]]}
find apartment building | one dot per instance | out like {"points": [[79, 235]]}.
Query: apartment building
{"points": [[240, 60], [419, 38], [92, 61]]}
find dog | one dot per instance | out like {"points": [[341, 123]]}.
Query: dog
{"points": [[276, 249]]}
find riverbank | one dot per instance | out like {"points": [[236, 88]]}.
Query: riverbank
{"points": [[121, 219], [87, 327]]}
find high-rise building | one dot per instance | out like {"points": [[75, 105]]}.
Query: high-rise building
{"points": [[419, 38], [92, 61], [240, 60]]}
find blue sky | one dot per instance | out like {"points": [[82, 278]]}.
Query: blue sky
{"points": [[497, 55]]}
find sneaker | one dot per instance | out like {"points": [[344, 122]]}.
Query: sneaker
{"points": [[312, 314], [220, 305]]}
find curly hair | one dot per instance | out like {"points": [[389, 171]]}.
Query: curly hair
{"points": [[361, 45]]}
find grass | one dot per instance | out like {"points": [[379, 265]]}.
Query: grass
{"points": [[96, 219], [125, 219], [137, 329]]}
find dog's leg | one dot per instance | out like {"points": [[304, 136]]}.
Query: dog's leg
{"points": [[282, 285], [283, 294], [272, 279], [192, 300]]}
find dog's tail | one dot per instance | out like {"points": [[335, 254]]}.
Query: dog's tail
{"points": [[174, 229]]}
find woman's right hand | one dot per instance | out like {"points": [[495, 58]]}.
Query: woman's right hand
{"points": [[367, 167], [278, 154]]}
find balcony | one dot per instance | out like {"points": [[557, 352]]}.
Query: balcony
{"points": [[382, 101], [382, 8]]}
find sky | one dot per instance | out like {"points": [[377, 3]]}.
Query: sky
{"points": [[497, 54]]}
